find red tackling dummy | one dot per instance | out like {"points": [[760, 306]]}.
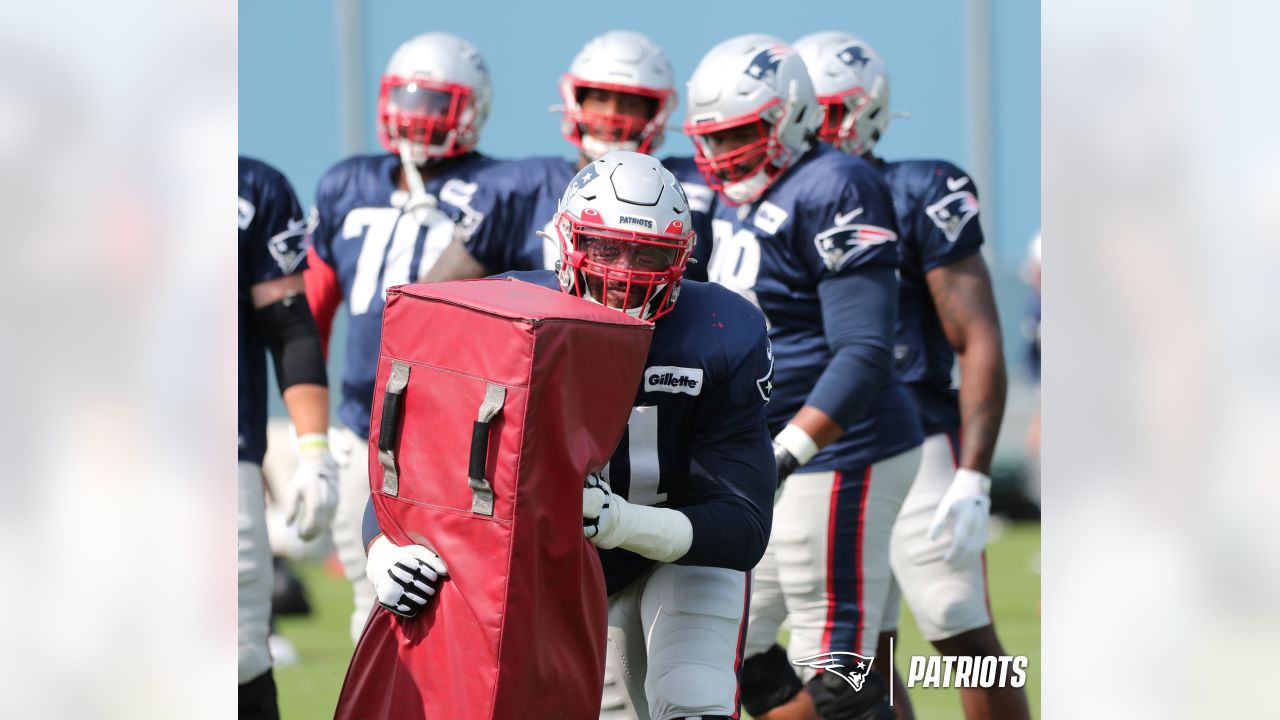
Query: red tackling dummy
{"points": [[494, 399]]}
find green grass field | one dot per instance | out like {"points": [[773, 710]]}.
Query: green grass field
{"points": [[310, 689]]}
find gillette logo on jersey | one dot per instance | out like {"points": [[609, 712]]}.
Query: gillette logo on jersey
{"points": [[965, 671], [666, 378]]}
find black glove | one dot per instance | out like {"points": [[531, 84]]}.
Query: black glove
{"points": [[786, 462]]}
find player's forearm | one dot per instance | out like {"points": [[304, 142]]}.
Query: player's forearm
{"points": [[983, 386], [858, 314], [729, 535], [308, 407]]}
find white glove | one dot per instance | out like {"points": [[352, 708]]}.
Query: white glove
{"points": [[313, 490], [405, 578], [967, 507], [609, 521]]}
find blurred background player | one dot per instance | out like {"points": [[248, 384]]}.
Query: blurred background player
{"points": [[682, 512], [618, 94], [947, 313], [383, 220], [274, 315], [808, 234]]}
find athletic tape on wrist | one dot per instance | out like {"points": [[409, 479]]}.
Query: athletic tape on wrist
{"points": [[798, 443]]}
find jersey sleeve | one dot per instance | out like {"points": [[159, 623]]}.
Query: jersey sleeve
{"points": [[948, 228], [856, 244], [849, 226], [495, 217], [324, 291], [732, 456], [278, 230]]}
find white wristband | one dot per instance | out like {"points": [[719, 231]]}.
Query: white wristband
{"points": [[798, 443]]}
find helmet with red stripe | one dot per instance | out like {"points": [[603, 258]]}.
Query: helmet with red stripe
{"points": [[625, 235], [852, 83], [618, 63], [434, 98], [752, 113]]}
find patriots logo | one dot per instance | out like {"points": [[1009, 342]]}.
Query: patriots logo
{"points": [[764, 66], [289, 246], [244, 213], [850, 667], [953, 212], [765, 384], [854, 56], [583, 178], [841, 244]]}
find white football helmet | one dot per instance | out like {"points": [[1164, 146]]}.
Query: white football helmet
{"points": [[619, 61], [435, 97], [625, 235], [758, 86], [852, 82]]}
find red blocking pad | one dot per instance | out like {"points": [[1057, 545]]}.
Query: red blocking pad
{"points": [[494, 399]]}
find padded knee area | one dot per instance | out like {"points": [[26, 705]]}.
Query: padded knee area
{"points": [[835, 698], [768, 680]]}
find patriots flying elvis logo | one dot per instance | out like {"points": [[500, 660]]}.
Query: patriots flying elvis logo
{"points": [[850, 667], [854, 56], [953, 212], [764, 66], [839, 245]]}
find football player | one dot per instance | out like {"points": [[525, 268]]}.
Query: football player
{"points": [[947, 312], [617, 95], [274, 315], [383, 220], [682, 512], [808, 234]]}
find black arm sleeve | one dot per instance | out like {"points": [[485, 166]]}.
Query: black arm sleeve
{"points": [[859, 311], [290, 332]]}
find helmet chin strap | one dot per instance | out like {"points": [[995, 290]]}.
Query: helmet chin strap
{"points": [[419, 202]]}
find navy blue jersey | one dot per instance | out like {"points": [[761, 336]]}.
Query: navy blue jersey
{"points": [[829, 215], [702, 201], [937, 208], [363, 233], [697, 438], [516, 200], [272, 245]]}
